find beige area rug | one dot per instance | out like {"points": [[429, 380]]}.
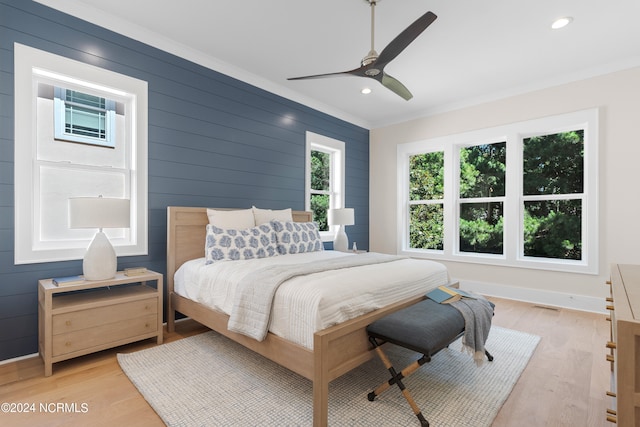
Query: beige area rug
{"points": [[208, 380]]}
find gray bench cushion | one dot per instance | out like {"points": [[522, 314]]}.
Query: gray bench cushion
{"points": [[426, 327]]}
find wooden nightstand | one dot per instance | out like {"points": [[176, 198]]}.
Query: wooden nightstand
{"points": [[95, 315]]}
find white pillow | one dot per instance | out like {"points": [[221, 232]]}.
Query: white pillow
{"points": [[232, 244], [297, 237], [262, 216], [234, 219]]}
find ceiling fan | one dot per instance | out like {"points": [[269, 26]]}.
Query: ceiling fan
{"points": [[373, 64]]}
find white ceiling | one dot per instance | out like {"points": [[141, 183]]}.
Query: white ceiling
{"points": [[474, 52]]}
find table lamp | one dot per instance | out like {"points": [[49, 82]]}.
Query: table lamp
{"points": [[100, 261], [341, 218]]}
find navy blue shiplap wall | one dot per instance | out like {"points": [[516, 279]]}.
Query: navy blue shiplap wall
{"points": [[213, 141]]}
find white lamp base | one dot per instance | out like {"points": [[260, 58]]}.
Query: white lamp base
{"points": [[100, 261], [340, 241]]}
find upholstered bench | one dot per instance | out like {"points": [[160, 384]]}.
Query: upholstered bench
{"points": [[425, 327]]}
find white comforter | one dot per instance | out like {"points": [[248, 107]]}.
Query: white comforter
{"points": [[306, 304]]}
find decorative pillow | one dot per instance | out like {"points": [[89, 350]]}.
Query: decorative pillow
{"points": [[232, 244], [297, 237], [238, 219], [262, 216]]}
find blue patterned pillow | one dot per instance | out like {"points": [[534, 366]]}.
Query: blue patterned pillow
{"points": [[231, 244], [297, 237]]}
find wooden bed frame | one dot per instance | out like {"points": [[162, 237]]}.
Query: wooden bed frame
{"points": [[336, 350]]}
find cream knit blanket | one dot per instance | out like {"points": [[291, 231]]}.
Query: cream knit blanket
{"points": [[254, 297]]}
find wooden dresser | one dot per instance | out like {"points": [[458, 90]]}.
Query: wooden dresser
{"points": [[624, 347]]}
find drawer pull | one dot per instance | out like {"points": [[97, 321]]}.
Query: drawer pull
{"points": [[68, 343], [609, 299], [612, 419], [611, 394], [610, 358], [608, 282], [611, 412], [610, 307], [68, 323], [146, 325], [611, 344], [608, 318]]}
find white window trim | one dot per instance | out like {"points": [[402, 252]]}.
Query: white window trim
{"points": [[513, 134], [336, 148], [32, 66]]}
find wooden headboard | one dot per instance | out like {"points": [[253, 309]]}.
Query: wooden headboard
{"points": [[186, 233]]}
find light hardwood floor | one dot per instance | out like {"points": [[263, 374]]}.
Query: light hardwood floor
{"points": [[563, 385]]}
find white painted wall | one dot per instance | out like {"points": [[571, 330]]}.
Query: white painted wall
{"points": [[618, 97]]}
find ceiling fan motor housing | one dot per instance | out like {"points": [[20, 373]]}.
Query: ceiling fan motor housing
{"points": [[370, 58]]}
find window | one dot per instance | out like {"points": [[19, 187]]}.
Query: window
{"points": [[325, 179], [553, 195], [522, 195], [481, 197], [320, 186], [107, 113], [426, 201], [81, 117]]}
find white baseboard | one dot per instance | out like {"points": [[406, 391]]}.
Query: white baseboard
{"points": [[29, 356], [537, 296], [19, 358]]}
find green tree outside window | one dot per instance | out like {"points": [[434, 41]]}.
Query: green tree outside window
{"points": [[426, 186], [553, 165], [320, 187], [482, 176]]}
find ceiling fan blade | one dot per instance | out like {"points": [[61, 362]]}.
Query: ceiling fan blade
{"points": [[373, 67], [404, 39], [355, 71], [395, 86]]}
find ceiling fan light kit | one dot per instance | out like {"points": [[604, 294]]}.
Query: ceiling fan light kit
{"points": [[372, 65]]}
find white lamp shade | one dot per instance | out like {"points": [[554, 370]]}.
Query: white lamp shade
{"points": [[98, 212], [343, 216]]}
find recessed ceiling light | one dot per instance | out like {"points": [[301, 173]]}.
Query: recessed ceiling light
{"points": [[365, 91], [561, 22]]}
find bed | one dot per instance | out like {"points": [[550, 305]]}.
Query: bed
{"points": [[333, 350]]}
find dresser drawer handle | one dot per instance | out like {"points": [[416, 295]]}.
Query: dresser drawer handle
{"points": [[146, 325], [611, 412], [609, 299], [611, 394], [610, 358], [612, 419], [610, 307], [68, 344], [68, 323], [608, 282], [611, 344]]}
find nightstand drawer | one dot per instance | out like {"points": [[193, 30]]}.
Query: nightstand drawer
{"points": [[100, 335], [91, 318]]}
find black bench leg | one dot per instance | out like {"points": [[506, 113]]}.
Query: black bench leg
{"points": [[489, 356], [396, 378]]}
